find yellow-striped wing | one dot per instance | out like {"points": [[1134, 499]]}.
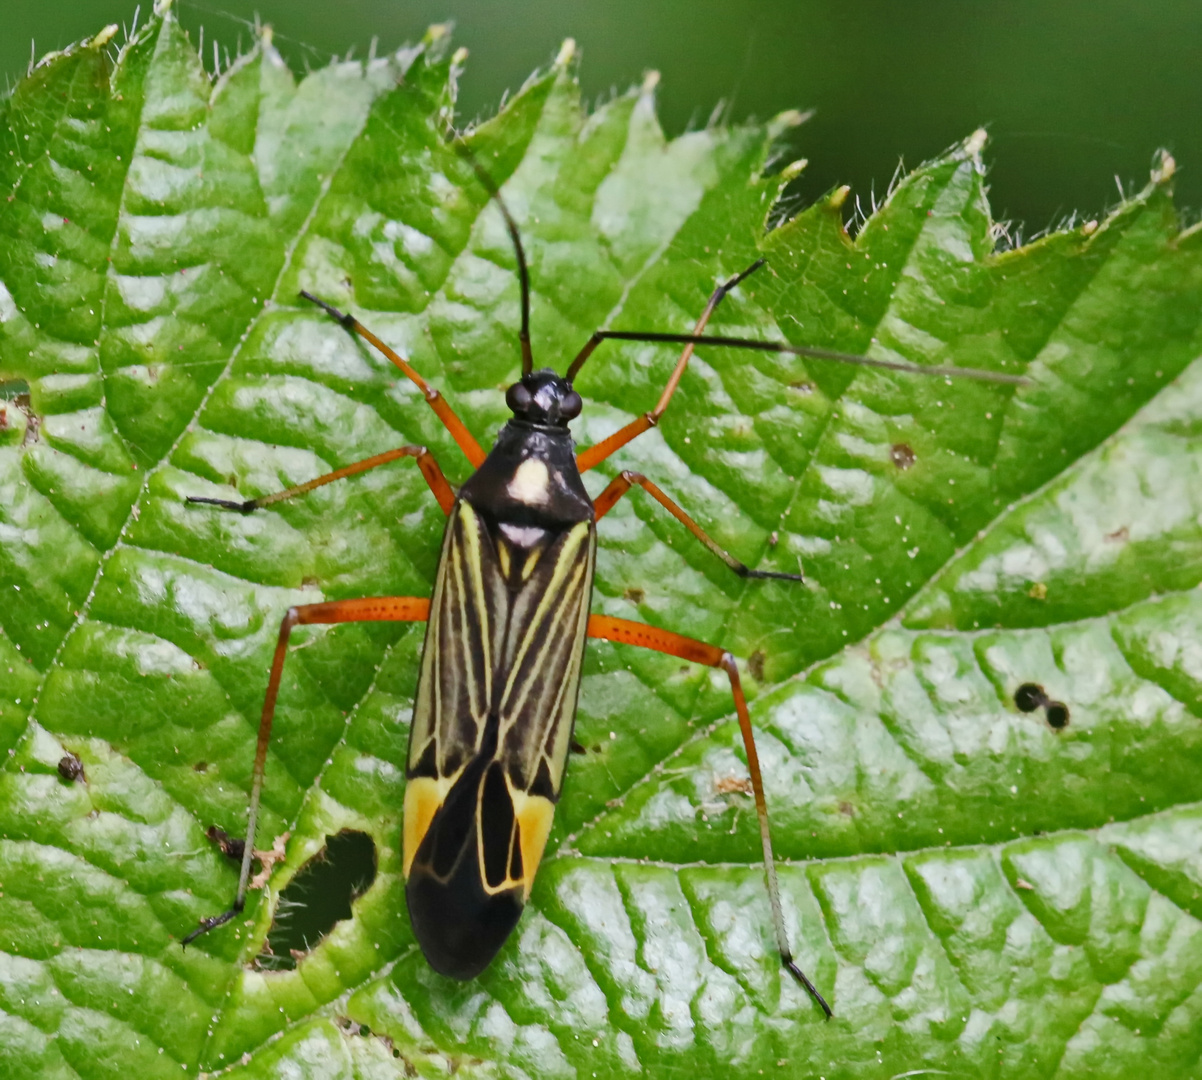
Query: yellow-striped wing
{"points": [[496, 697]]}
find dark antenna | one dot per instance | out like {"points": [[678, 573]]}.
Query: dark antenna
{"points": [[780, 347], [494, 193]]}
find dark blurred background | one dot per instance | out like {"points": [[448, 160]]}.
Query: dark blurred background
{"points": [[1075, 93]]}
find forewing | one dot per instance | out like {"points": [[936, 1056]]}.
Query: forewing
{"points": [[538, 679], [465, 632], [496, 696]]}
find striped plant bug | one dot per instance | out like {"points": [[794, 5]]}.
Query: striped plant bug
{"points": [[505, 636]]}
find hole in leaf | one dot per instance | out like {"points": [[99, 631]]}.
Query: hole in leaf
{"points": [[318, 897]]}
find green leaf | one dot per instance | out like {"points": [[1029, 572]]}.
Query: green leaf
{"points": [[976, 893]]}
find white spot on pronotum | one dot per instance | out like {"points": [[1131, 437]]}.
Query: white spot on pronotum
{"points": [[531, 484]]}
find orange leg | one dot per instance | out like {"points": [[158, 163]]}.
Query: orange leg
{"points": [[369, 609], [621, 484], [594, 455], [425, 462], [650, 637], [434, 399]]}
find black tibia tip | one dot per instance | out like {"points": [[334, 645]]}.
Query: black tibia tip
{"points": [[778, 575], [226, 504], [1031, 696], [745, 274], [233, 848], [212, 923], [800, 976], [347, 320]]}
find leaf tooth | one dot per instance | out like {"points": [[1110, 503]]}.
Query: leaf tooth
{"points": [[793, 170], [104, 37], [1165, 167], [435, 33], [975, 143], [567, 52], [784, 122]]}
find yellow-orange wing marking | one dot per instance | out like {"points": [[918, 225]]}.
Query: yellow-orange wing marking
{"points": [[497, 692]]}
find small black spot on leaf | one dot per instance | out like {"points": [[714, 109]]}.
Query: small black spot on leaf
{"points": [[70, 768], [1029, 697], [1057, 714]]}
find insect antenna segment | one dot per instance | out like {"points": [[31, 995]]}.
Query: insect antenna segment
{"points": [[486, 181], [793, 350]]}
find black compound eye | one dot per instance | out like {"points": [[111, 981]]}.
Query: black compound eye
{"points": [[517, 397], [570, 406]]}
